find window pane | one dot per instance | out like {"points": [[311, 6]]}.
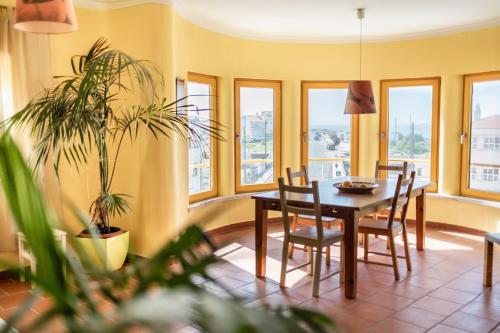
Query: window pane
{"points": [[257, 135], [200, 155], [485, 136], [410, 128], [329, 142]]}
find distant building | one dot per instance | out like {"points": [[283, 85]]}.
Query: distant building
{"points": [[485, 153]]}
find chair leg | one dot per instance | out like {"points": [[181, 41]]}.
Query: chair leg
{"points": [[342, 262], [284, 262], [317, 272], [294, 227], [407, 248], [388, 244], [328, 248], [394, 255], [488, 264], [365, 256], [310, 259]]}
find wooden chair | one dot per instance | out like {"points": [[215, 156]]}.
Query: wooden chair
{"points": [[309, 236], [489, 240], [307, 220], [403, 169], [390, 227]]}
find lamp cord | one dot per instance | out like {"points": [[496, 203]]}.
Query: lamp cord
{"points": [[360, 44]]}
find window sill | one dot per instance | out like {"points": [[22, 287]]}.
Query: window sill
{"points": [[481, 202], [204, 203]]}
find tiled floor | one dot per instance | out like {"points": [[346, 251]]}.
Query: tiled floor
{"points": [[443, 292]]}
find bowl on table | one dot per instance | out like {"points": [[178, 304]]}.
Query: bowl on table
{"points": [[356, 187]]}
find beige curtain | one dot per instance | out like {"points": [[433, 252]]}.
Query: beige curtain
{"points": [[25, 69]]}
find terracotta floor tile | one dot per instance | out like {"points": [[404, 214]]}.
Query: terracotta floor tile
{"points": [[14, 300], [368, 311], [393, 325], [470, 322], [390, 301], [352, 324], [261, 287], [465, 285], [337, 298], [437, 305], [452, 295], [407, 290], [445, 329], [419, 317], [425, 282], [11, 286], [482, 309], [323, 305]]}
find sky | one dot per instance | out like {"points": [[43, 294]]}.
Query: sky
{"points": [[326, 107], [410, 102], [255, 100], [487, 94]]}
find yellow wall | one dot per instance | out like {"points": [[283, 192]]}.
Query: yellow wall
{"points": [[155, 173]]}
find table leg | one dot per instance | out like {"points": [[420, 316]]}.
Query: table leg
{"points": [[260, 238], [420, 217], [351, 254]]}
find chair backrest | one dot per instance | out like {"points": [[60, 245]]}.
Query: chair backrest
{"points": [[402, 169], [401, 200], [301, 174], [288, 206]]}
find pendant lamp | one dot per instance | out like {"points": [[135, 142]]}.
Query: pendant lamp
{"points": [[45, 16], [360, 98]]}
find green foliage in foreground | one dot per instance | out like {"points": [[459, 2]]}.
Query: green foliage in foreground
{"points": [[163, 298]]}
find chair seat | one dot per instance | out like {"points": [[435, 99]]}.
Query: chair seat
{"points": [[307, 235], [378, 225], [311, 217], [493, 237]]}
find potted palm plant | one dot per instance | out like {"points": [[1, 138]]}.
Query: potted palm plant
{"points": [[88, 110]]}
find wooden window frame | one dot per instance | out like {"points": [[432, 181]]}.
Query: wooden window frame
{"points": [[212, 82], [276, 85], [304, 146], [469, 80], [435, 82]]}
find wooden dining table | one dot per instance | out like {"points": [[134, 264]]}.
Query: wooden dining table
{"points": [[348, 207]]}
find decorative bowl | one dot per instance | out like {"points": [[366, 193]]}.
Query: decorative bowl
{"points": [[356, 187]]}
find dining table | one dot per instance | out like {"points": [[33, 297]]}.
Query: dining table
{"points": [[347, 207]]}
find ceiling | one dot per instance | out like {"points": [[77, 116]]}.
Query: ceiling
{"points": [[335, 20]]}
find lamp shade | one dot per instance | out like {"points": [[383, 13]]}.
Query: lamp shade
{"points": [[360, 98], [45, 16]]}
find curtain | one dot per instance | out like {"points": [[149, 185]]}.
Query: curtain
{"points": [[25, 69]]}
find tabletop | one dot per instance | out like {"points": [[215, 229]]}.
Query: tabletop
{"points": [[330, 196]]}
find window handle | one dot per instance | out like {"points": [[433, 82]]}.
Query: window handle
{"points": [[463, 136], [304, 136], [237, 135], [382, 135]]}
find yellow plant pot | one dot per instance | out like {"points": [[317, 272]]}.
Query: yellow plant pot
{"points": [[109, 253]]}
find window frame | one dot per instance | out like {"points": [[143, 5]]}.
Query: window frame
{"points": [[304, 135], [276, 85], [469, 80], [212, 82], [385, 85]]}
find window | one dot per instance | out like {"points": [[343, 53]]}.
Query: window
{"points": [[481, 130], [409, 125], [329, 137], [202, 91], [258, 134]]}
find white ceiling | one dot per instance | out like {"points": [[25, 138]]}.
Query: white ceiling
{"points": [[335, 20]]}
